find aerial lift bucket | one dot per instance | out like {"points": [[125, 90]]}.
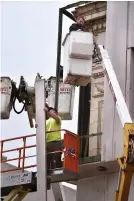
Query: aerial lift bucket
{"points": [[77, 58], [6, 89], [66, 92]]}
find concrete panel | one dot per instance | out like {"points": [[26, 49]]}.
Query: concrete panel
{"points": [[131, 24], [100, 188], [100, 39], [107, 139], [93, 146], [116, 33], [36, 196], [130, 81], [116, 44], [91, 189], [69, 194]]}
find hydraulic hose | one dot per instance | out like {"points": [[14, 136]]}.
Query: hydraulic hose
{"points": [[18, 112]]}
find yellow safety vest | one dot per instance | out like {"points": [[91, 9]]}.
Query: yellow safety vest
{"points": [[51, 125]]}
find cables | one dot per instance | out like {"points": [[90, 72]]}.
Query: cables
{"points": [[18, 112], [14, 96]]}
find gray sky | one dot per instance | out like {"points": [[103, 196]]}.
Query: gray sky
{"points": [[29, 45]]}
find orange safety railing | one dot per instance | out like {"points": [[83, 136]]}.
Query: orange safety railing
{"points": [[71, 152]]}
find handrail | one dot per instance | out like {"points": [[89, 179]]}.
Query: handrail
{"points": [[21, 151], [21, 155], [32, 135], [17, 138]]}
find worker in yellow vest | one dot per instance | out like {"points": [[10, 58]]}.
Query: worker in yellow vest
{"points": [[53, 139]]}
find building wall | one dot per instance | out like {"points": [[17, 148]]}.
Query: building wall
{"points": [[95, 19], [97, 103], [119, 41], [96, 117], [69, 195], [100, 188]]}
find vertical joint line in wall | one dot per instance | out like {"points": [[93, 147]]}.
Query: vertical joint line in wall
{"points": [[127, 25], [113, 144]]}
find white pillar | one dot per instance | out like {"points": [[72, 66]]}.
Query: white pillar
{"points": [[41, 139]]}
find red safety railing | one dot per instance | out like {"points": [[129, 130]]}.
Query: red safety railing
{"points": [[71, 142]]}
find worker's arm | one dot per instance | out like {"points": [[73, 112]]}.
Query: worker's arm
{"points": [[53, 115]]}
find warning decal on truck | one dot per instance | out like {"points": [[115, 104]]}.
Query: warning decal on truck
{"points": [[65, 90], [4, 90], [16, 179]]}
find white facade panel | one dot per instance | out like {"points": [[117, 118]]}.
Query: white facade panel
{"points": [[100, 188], [131, 24], [116, 44]]}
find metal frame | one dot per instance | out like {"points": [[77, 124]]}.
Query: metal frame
{"points": [[62, 11], [21, 159], [83, 115]]}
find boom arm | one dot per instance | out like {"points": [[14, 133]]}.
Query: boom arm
{"points": [[126, 162], [115, 88]]}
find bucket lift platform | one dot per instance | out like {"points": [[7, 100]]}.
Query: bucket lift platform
{"points": [[34, 100], [16, 179], [26, 182]]}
